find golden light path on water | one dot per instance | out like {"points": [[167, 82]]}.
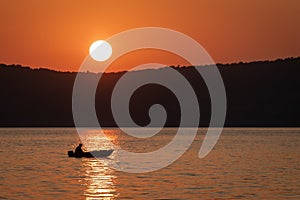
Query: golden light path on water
{"points": [[98, 179]]}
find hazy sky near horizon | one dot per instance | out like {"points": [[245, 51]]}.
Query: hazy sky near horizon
{"points": [[57, 34]]}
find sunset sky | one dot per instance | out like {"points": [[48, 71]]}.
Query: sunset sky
{"points": [[57, 34]]}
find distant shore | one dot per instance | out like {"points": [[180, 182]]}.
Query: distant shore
{"points": [[259, 94]]}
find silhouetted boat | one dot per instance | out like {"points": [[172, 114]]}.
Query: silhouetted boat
{"points": [[93, 154]]}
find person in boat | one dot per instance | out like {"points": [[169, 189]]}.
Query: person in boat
{"points": [[78, 151]]}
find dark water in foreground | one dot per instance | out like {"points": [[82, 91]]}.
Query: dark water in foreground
{"points": [[246, 163]]}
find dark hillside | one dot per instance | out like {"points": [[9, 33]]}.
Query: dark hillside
{"points": [[258, 94]]}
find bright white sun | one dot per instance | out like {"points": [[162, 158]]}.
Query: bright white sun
{"points": [[100, 50]]}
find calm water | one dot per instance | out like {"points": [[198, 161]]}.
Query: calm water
{"points": [[247, 163]]}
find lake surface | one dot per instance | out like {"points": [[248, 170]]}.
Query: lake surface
{"points": [[246, 163]]}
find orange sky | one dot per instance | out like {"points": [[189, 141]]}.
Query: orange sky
{"points": [[56, 34]]}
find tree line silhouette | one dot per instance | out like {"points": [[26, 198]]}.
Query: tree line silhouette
{"points": [[259, 94]]}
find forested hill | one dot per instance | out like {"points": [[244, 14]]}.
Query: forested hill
{"points": [[265, 93]]}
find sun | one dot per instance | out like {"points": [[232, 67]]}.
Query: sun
{"points": [[100, 50]]}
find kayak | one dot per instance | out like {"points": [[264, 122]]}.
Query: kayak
{"points": [[92, 154]]}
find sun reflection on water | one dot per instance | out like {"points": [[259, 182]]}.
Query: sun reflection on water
{"points": [[98, 179], [95, 140]]}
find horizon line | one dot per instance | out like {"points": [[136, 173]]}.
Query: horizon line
{"points": [[177, 66]]}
